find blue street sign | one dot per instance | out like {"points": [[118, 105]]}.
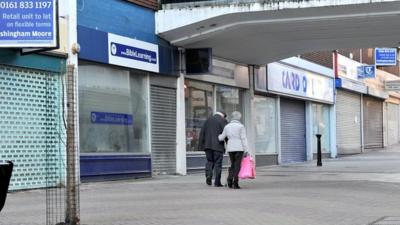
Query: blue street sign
{"points": [[385, 56], [30, 23], [367, 71]]}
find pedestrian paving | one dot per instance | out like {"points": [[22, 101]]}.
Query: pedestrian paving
{"points": [[355, 190]]}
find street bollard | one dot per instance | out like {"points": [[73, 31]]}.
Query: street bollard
{"points": [[319, 153]]}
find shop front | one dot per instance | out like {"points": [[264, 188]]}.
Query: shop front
{"points": [[392, 118], [349, 105], [127, 94], [223, 89], [373, 119], [304, 99], [32, 90], [32, 132]]}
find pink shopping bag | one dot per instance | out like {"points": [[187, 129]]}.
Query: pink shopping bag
{"points": [[247, 169]]}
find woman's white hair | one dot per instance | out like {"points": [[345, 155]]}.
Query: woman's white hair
{"points": [[236, 115]]}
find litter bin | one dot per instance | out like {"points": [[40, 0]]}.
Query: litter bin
{"points": [[5, 176]]}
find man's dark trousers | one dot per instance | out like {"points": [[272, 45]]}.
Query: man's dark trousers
{"points": [[214, 162]]}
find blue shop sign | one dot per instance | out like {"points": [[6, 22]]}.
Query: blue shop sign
{"points": [[111, 118], [385, 56], [367, 71], [134, 53], [29, 23]]}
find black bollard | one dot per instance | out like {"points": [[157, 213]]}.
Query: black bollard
{"points": [[319, 153]]}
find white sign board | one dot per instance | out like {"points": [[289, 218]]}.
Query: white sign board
{"points": [[132, 53], [296, 82], [347, 67], [392, 85]]}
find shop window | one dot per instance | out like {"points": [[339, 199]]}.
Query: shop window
{"points": [[265, 123], [113, 108], [199, 103], [229, 100], [321, 125]]}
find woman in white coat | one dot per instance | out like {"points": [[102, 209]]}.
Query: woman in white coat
{"points": [[236, 146]]}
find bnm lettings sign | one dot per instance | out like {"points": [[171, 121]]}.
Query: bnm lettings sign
{"points": [[29, 23]]}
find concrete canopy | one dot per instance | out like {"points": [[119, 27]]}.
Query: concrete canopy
{"points": [[260, 37]]}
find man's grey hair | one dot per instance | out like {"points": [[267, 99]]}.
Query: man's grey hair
{"points": [[236, 115]]}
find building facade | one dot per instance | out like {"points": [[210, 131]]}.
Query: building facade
{"points": [[296, 105], [32, 128]]}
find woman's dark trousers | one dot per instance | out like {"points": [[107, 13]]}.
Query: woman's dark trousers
{"points": [[236, 160]]}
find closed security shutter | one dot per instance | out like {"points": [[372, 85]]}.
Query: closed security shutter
{"points": [[373, 122], [348, 122], [32, 134], [393, 123], [163, 130], [293, 131]]}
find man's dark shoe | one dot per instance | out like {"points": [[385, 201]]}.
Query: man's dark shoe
{"points": [[208, 180], [218, 185]]}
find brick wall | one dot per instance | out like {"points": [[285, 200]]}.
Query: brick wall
{"points": [[366, 55], [152, 4]]}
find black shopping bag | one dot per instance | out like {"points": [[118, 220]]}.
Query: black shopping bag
{"points": [[5, 176]]}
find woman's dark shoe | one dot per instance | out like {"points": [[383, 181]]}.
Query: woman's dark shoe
{"points": [[236, 185], [229, 183]]}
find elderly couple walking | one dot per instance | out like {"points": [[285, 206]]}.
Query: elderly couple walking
{"points": [[215, 132]]}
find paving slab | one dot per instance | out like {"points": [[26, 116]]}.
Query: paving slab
{"points": [[356, 190]]}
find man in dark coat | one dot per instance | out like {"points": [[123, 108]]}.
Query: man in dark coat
{"points": [[214, 149]]}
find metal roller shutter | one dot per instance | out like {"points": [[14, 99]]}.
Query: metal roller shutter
{"points": [[373, 122], [293, 131], [348, 122], [393, 123], [163, 130], [32, 134]]}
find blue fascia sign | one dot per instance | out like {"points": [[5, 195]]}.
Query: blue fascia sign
{"points": [[385, 56], [28, 23], [109, 48], [111, 118], [366, 71]]}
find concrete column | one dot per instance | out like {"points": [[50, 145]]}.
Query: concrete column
{"points": [[332, 127], [180, 117], [385, 124], [362, 122], [278, 129], [309, 132], [249, 113]]}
